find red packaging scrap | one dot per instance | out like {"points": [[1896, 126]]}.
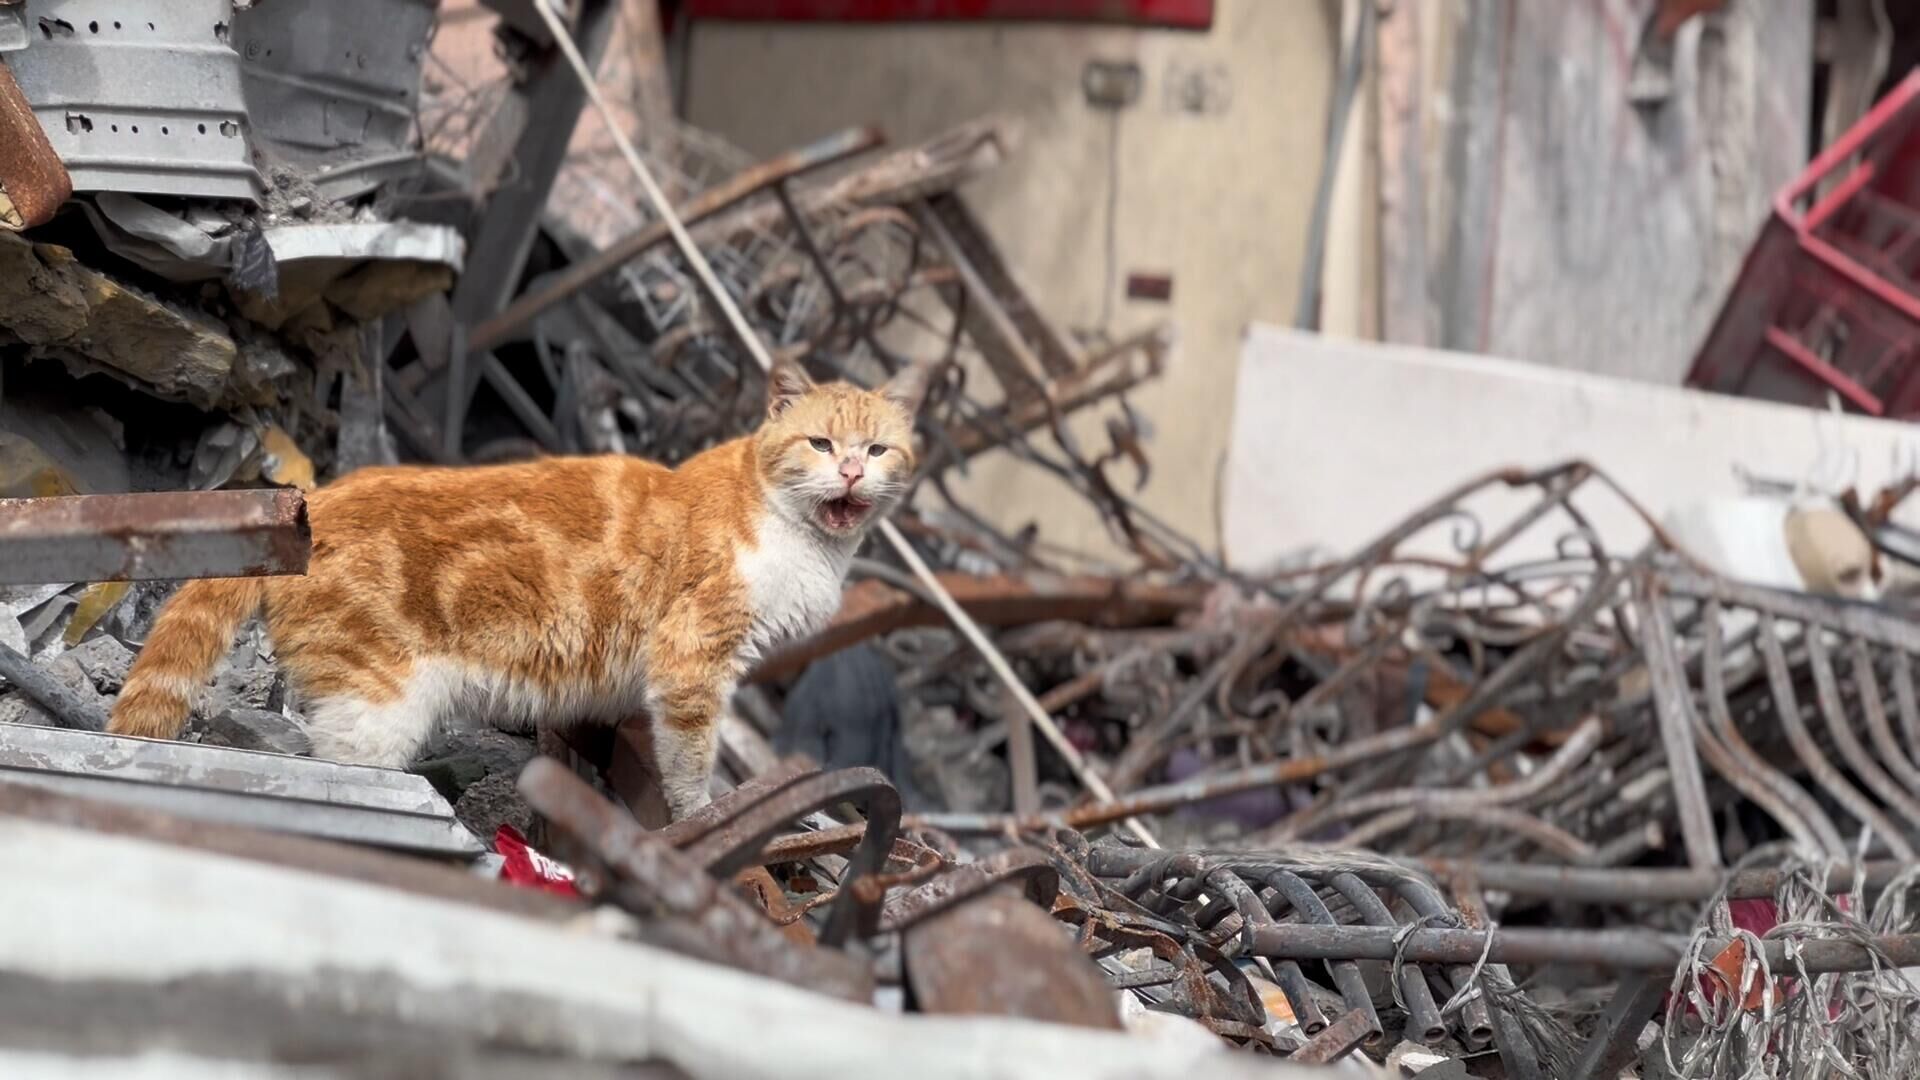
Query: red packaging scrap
{"points": [[1757, 917], [527, 867]]}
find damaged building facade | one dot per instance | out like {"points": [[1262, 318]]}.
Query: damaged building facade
{"points": [[1226, 698]]}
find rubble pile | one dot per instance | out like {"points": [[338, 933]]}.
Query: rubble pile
{"points": [[1496, 794]]}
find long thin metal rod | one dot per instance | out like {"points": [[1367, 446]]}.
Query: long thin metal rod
{"points": [[1787, 708], [1673, 708], [744, 333], [69, 708], [1636, 950], [998, 663], [1792, 805], [661, 207], [1357, 752], [714, 200], [1622, 885]]}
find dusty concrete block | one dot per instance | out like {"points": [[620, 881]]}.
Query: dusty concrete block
{"points": [[457, 759], [491, 802], [105, 662], [255, 729], [17, 708], [240, 688], [49, 300], [42, 304]]}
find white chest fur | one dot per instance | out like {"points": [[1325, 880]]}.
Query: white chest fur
{"points": [[793, 578]]}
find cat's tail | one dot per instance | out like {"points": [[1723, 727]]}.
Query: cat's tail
{"points": [[194, 631]]}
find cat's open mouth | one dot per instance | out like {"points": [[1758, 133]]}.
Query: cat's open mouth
{"points": [[844, 513]]}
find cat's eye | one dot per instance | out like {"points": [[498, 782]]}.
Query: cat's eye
{"points": [[876, 450], [825, 446]]}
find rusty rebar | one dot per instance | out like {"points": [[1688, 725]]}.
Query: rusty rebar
{"points": [[1787, 707], [1618, 949]]}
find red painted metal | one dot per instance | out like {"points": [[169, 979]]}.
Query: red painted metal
{"points": [[1181, 14], [1829, 296]]}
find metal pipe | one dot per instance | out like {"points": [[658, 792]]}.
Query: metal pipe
{"points": [[1433, 908], [1587, 884], [1787, 707], [1636, 950], [1673, 708], [1641, 884], [1293, 891], [1874, 707], [156, 536], [1827, 692], [1462, 801], [1791, 804], [1548, 836], [1292, 981], [1423, 1014], [1904, 699], [714, 200]]}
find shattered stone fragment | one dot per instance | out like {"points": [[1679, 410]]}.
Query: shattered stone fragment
{"points": [[492, 802], [104, 660], [17, 708], [475, 768], [255, 729], [49, 300], [237, 687]]}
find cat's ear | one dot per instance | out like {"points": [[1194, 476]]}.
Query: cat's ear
{"points": [[908, 388], [787, 383]]}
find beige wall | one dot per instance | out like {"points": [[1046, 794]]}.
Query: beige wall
{"points": [[1220, 200]]}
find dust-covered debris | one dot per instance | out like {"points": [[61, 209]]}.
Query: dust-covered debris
{"points": [[253, 729]]}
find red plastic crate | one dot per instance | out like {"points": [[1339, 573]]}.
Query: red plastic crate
{"points": [[1829, 296]]}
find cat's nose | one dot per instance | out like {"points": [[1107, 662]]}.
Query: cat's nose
{"points": [[851, 471]]}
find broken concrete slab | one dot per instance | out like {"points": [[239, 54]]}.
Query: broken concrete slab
{"points": [[17, 708], [255, 729], [50, 301], [237, 686], [456, 759], [104, 660], [354, 803], [492, 802]]}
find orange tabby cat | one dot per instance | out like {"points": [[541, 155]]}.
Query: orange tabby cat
{"points": [[558, 590]]}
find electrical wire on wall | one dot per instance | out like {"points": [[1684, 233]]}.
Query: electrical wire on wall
{"points": [[1111, 282], [1355, 46], [1111, 86]]}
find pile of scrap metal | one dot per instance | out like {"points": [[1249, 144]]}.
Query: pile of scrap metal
{"points": [[1567, 732], [1533, 728], [1541, 752]]}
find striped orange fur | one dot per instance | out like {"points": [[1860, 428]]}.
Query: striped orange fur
{"points": [[562, 590]]}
